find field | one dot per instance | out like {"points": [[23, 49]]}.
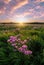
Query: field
{"points": [[34, 33]]}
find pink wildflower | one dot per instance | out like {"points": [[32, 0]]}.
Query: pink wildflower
{"points": [[13, 44], [21, 49], [27, 52], [24, 46]]}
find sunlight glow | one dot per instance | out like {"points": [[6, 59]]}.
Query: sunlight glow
{"points": [[21, 20]]}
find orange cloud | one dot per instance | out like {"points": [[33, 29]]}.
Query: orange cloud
{"points": [[42, 0], [7, 1], [27, 13], [1, 12], [20, 4]]}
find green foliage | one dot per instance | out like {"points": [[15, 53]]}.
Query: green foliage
{"points": [[8, 55]]}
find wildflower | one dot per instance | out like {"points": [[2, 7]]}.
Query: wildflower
{"points": [[19, 45], [27, 52], [16, 47], [12, 37], [13, 44], [19, 40], [8, 40], [22, 42], [20, 49], [25, 41], [24, 46]]}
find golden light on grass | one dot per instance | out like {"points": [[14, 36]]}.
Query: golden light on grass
{"points": [[20, 24]]}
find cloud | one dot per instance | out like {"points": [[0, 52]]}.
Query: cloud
{"points": [[6, 1], [2, 10], [39, 1], [38, 15], [17, 8], [24, 14], [19, 5], [38, 7], [33, 12]]}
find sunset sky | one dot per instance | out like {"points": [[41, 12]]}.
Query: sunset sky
{"points": [[22, 10]]}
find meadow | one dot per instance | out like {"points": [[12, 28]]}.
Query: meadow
{"points": [[33, 33]]}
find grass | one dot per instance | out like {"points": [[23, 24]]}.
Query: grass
{"points": [[7, 54]]}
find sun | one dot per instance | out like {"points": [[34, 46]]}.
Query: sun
{"points": [[21, 20]]}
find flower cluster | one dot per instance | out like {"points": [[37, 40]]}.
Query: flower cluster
{"points": [[19, 44]]}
